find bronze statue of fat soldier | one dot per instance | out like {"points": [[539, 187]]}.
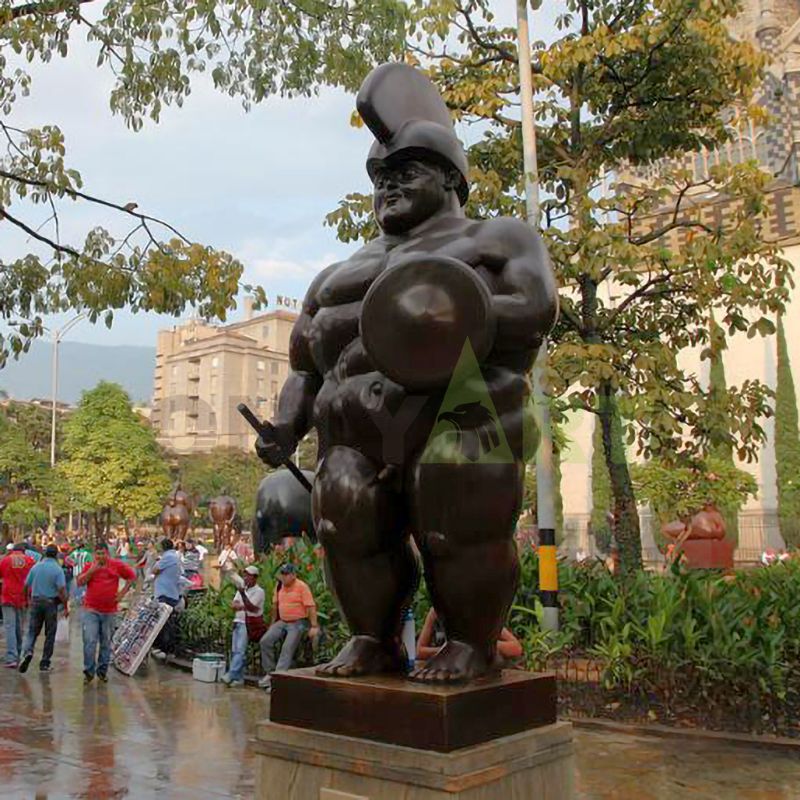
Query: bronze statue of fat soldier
{"points": [[412, 441]]}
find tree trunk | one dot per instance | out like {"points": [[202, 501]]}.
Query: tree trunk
{"points": [[626, 515]]}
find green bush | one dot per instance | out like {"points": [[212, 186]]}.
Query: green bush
{"points": [[726, 646]]}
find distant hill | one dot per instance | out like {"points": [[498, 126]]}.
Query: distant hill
{"points": [[81, 367]]}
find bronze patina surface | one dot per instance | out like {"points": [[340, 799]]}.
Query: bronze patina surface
{"points": [[385, 708]]}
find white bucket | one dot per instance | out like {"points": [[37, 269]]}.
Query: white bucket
{"points": [[207, 671]]}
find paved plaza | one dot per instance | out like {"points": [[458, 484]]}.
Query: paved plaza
{"points": [[163, 734]]}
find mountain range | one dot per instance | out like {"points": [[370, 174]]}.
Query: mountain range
{"points": [[81, 367]]}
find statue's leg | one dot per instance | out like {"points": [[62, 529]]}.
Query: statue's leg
{"points": [[361, 522], [464, 517]]}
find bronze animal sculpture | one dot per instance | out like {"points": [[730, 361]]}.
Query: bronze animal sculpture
{"points": [[175, 520], [283, 508], [436, 307], [222, 511]]}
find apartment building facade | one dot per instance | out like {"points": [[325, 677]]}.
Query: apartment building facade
{"points": [[204, 371]]}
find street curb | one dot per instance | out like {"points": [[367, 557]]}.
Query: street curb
{"points": [[783, 743]]}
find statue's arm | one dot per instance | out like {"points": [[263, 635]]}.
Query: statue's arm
{"points": [[526, 298], [296, 401]]}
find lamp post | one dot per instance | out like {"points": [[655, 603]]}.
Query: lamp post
{"points": [[57, 335], [545, 482]]}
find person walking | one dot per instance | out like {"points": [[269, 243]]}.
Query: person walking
{"points": [[100, 604], [46, 588], [168, 573], [248, 603], [78, 559], [14, 569], [294, 613]]}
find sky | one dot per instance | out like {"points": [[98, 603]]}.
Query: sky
{"points": [[257, 184]]}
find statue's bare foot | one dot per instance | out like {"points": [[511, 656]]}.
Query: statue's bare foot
{"points": [[456, 662], [363, 655]]}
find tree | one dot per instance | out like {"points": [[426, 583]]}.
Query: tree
{"points": [[602, 502], [155, 52], [26, 481], [627, 86], [787, 445], [720, 446], [678, 492], [35, 421], [112, 460]]}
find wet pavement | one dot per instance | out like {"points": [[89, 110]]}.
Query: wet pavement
{"points": [[163, 734]]}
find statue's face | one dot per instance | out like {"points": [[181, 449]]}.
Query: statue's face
{"points": [[406, 193]]}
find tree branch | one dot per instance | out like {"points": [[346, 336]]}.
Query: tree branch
{"points": [[74, 193]]}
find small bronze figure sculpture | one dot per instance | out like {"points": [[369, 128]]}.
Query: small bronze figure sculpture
{"points": [[383, 340]]}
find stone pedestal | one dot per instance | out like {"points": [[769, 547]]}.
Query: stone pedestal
{"points": [[381, 738], [300, 764]]}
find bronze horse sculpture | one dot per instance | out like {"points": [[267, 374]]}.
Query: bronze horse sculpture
{"points": [[222, 511], [177, 514]]}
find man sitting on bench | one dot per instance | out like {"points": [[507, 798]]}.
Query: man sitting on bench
{"points": [[294, 613]]}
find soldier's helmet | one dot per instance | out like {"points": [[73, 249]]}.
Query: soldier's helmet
{"points": [[409, 119]]}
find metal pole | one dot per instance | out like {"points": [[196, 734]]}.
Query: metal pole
{"points": [[53, 395], [545, 483]]}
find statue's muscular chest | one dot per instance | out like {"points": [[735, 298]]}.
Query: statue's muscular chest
{"points": [[334, 335]]}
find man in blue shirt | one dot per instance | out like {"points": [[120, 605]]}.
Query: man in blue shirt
{"points": [[46, 588], [168, 573]]}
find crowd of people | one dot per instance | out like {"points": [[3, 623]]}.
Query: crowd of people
{"points": [[42, 577], [42, 580]]}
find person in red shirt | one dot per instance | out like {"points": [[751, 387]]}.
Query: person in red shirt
{"points": [[101, 578], [14, 568]]}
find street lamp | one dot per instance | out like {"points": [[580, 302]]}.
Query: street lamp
{"points": [[57, 335], [545, 479]]}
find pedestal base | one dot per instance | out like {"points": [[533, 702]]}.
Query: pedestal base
{"points": [[299, 764], [708, 553], [394, 710]]}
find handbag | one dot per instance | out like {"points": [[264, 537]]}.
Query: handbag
{"points": [[256, 627], [62, 630]]}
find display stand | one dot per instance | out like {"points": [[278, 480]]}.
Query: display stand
{"points": [[135, 636]]}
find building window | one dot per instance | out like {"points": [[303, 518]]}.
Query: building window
{"points": [[265, 331], [213, 384], [174, 370], [215, 362], [260, 387], [260, 365], [274, 388], [274, 367], [191, 425]]}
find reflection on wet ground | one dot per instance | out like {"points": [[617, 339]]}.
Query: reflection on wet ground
{"points": [[165, 735]]}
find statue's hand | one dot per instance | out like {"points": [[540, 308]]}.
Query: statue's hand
{"points": [[276, 451]]}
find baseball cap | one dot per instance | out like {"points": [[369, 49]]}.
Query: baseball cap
{"points": [[51, 551], [287, 569], [251, 570]]}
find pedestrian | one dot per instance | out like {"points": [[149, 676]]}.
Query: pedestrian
{"points": [[167, 589], [294, 613], [226, 562], [14, 569], [47, 589], [101, 578], [78, 559], [248, 602]]}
